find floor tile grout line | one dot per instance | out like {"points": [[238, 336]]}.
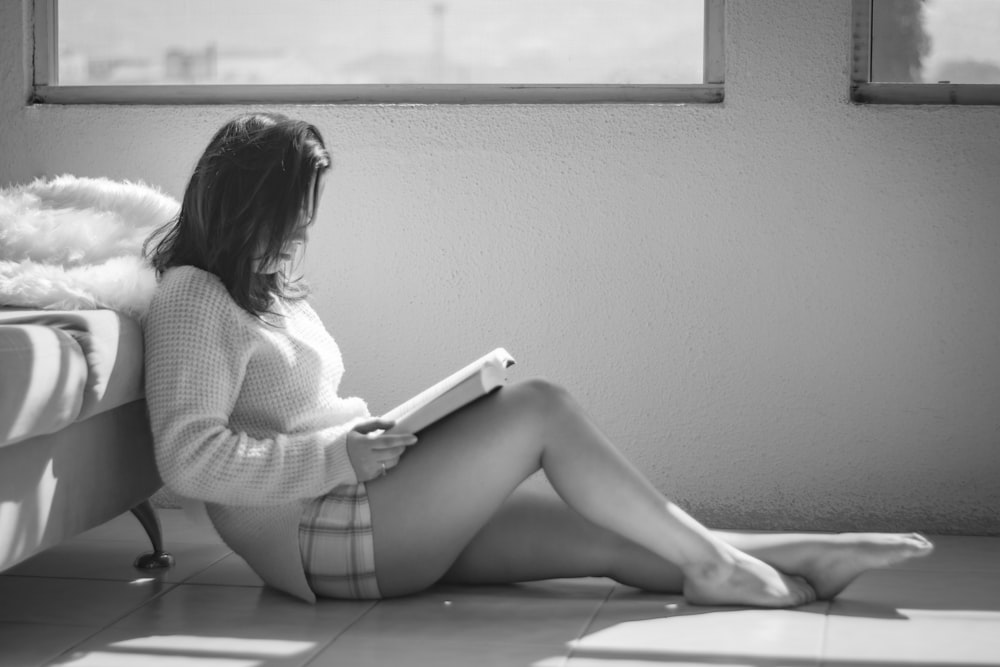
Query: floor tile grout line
{"points": [[589, 622], [138, 544], [324, 647], [138, 571], [141, 538], [223, 585], [168, 587], [949, 570], [821, 660], [11, 573], [212, 564], [65, 578], [59, 658]]}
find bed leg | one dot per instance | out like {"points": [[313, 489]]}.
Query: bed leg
{"points": [[158, 559]]}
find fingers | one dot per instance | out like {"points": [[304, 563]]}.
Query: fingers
{"points": [[400, 442], [373, 450], [384, 453], [389, 455], [375, 424]]}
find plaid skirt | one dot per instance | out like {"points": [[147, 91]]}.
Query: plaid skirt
{"points": [[335, 538]]}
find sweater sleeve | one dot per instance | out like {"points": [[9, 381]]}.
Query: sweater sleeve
{"points": [[197, 352]]}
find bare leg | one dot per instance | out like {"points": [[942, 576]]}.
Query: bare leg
{"points": [[446, 488], [535, 535]]}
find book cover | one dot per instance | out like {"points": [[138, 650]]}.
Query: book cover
{"points": [[465, 385]]}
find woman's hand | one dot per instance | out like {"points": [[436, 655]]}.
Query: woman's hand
{"points": [[373, 452]]}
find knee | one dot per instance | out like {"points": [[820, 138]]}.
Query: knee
{"points": [[540, 394]]}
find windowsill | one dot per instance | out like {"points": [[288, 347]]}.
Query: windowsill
{"points": [[926, 93], [384, 94]]}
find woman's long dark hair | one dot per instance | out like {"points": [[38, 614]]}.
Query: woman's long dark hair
{"points": [[247, 195]]}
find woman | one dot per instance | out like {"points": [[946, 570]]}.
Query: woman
{"points": [[242, 382]]}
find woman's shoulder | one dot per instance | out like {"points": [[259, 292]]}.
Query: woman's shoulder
{"points": [[190, 282], [193, 290], [188, 276]]}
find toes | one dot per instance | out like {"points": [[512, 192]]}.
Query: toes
{"points": [[797, 591], [924, 545], [805, 593]]}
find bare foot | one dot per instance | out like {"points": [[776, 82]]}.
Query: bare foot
{"points": [[832, 564], [745, 581]]}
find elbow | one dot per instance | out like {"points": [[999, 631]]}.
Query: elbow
{"points": [[182, 458], [176, 482]]}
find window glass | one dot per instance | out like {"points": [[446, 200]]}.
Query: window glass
{"points": [[122, 42], [935, 41]]}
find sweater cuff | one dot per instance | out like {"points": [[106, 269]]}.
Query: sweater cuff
{"points": [[338, 463]]}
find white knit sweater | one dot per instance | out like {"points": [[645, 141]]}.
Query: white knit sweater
{"points": [[246, 415]]}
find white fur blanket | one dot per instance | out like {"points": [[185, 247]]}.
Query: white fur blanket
{"points": [[76, 243]]}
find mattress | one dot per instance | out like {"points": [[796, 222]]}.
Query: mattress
{"points": [[61, 367]]}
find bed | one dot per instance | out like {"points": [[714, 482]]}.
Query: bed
{"points": [[75, 445]]}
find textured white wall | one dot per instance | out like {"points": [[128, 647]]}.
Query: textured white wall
{"points": [[784, 308]]}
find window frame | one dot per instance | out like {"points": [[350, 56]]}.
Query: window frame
{"points": [[865, 91], [45, 88]]}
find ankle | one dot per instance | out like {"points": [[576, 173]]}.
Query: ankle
{"points": [[697, 548], [716, 568]]}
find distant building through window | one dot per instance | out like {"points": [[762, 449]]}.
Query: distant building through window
{"points": [[150, 42]]}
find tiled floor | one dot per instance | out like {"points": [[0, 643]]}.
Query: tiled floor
{"points": [[82, 604]]}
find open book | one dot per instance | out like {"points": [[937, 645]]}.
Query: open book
{"points": [[461, 387]]}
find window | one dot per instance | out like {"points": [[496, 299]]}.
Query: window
{"points": [[320, 51], [926, 51]]}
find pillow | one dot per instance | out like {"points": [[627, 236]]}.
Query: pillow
{"points": [[74, 243]]}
